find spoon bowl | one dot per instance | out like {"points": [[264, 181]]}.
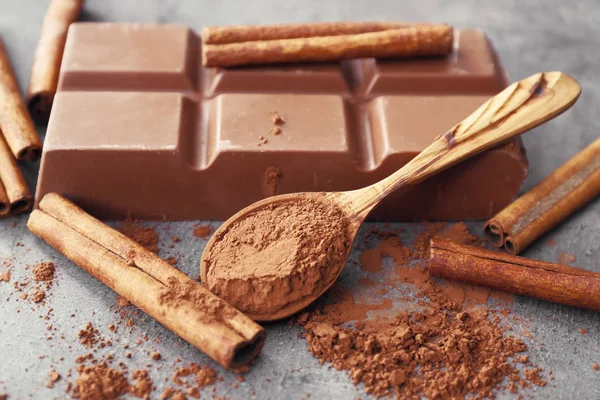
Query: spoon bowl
{"points": [[330, 198], [520, 107]]}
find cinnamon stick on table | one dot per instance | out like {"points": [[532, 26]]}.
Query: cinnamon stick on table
{"points": [[48, 56], [505, 272], [185, 307], [401, 41], [560, 194], [14, 192], [15, 123]]}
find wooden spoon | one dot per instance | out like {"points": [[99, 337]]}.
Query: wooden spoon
{"points": [[520, 107]]}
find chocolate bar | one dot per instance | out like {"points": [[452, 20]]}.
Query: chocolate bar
{"points": [[139, 127]]}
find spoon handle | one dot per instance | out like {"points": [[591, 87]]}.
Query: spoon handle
{"points": [[518, 108]]}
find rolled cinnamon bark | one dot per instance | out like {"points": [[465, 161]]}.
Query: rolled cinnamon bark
{"points": [[250, 33], [14, 192], [508, 273], [198, 316], [48, 56], [409, 41], [560, 194], [15, 123], [4, 202]]}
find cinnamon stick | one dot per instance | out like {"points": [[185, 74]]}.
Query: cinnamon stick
{"points": [[251, 33], [408, 41], [15, 122], [48, 56], [14, 192], [505, 272], [185, 307], [560, 194]]}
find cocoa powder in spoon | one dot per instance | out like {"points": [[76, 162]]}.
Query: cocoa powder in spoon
{"points": [[278, 255]]}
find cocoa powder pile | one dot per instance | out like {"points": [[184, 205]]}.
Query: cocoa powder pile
{"points": [[441, 341], [203, 231], [142, 386], [146, 236], [44, 271], [53, 377], [99, 382], [5, 275], [278, 255]]}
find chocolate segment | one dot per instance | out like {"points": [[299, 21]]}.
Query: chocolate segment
{"points": [[309, 78], [139, 127], [472, 68], [106, 56]]}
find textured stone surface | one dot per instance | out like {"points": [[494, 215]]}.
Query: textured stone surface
{"points": [[530, 36]]}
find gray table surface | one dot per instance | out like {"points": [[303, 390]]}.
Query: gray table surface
{"points": [[530, 36]]}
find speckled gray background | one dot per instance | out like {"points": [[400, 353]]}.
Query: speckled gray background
{"points": [[530, 36]]}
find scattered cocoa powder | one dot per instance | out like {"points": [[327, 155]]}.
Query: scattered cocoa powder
{"points": [[38, 284], [53, 377], [167, 393], [203, 231], [156, 356], [276, 119], [171, 260], [443, 342], [347, 309], [566, 258], [596, 367], [38, 296], [533, 376], [179, 395], [523, 359], [146, 236], [88, 336], [122, 301], [99, 382], [44, 271], [271, 181], [5, 276], [142, 388], [275, 130], [262, 140], [390, 247], [205, 376], [278, 255], [84, 358], [420, 248], [126, 313], [459, 233], [193, 392], [583, 331]]}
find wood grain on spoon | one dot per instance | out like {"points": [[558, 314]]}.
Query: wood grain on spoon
{"points": [[520, 107]]}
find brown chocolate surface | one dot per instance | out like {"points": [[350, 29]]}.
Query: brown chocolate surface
{"points": [[139, 127]]}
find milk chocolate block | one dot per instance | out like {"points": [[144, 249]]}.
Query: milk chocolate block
{"points": [[139, 127]]}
